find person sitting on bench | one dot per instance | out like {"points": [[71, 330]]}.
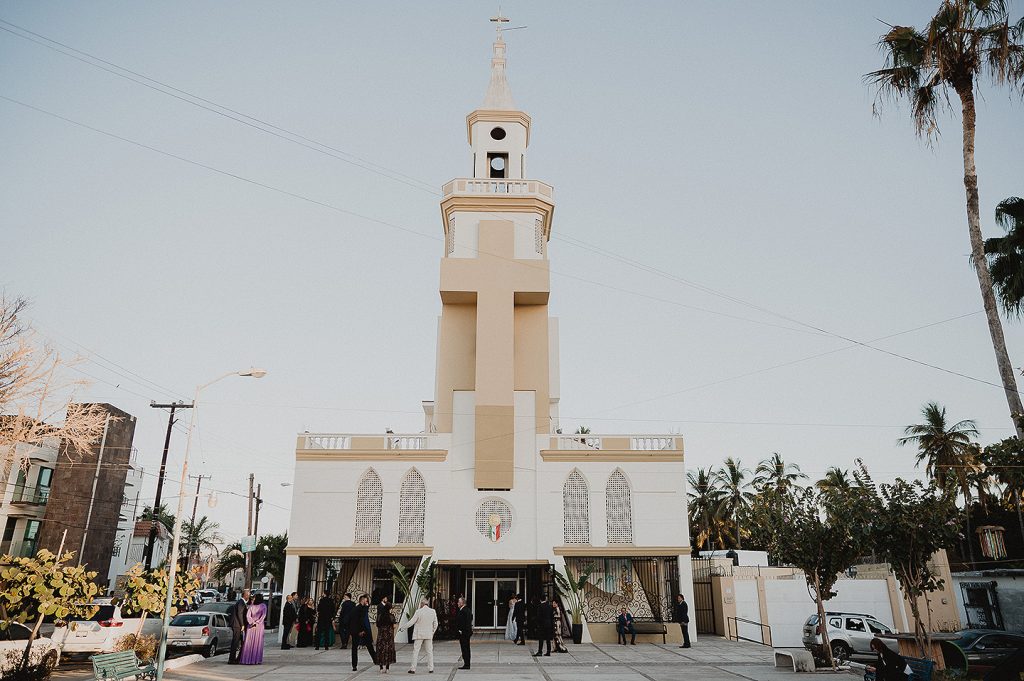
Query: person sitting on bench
{"points": [[623, 624]]}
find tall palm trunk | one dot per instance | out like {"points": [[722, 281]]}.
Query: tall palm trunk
{"points": [[736, 522], [1020, 520], [995, 326], [970, 538]]}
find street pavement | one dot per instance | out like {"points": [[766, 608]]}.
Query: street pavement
{"points": [[710, 659]]}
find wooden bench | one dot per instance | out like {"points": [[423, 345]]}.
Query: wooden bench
{"points": [[122, 665], [799, 659], [651, 627]]}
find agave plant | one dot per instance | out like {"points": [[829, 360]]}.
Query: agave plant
{"points": [[571, 588]]}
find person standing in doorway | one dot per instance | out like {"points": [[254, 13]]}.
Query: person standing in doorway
{"points": [[545, 625], [345, 619], [519, 614], [362, 635], [464, 624], [238, 625], [424, 625], [287, 622], [681, 614]]}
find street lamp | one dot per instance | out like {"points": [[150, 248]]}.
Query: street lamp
{"points": [[175, 543]]}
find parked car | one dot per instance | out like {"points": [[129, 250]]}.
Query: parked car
{"points": [[849, 634], [99, 633], [208, 596], [223, 607], [13, 640], [205, 632], [986, 648]]}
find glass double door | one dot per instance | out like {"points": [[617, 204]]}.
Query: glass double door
{"points": [[491, 595]]}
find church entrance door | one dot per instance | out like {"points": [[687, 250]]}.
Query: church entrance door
{"points": [[490, 593]]}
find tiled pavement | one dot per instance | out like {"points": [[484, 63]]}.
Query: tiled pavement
{"points": [[710, 659]]}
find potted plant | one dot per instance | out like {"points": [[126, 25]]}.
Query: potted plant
{"points": [[570, 587]]}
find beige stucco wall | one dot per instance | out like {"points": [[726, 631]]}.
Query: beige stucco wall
{"points": [[531, 358], [456, 359]]}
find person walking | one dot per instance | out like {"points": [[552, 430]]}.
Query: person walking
{"points": [[511, 632], [345, 619], [238, 625], [681, 614], [324, 621], [306, 618], [424, 625], [287, 622], [256, 616], [545, 625], [559, 623], [624, 625], [361, 633], [890, 666], [519, 613], [464, 624], [385, 636]]}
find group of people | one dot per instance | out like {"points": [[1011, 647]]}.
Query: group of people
{"points": [[551, 624], [306, 625], [624, 623], [248, 618]]}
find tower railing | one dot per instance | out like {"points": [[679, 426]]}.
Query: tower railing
{"points": [[498, 186]]}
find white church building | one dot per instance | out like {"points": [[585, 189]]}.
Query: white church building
{"points": [[491, 489]]}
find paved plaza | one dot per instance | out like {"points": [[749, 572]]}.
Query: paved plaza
{"points": [[711, 659]]}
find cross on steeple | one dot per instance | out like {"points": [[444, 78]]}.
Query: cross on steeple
{"points": [[498, 21]]}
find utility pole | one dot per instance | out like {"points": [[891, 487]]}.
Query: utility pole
{"points": [[256, 521], [192, 524], [248, 555], [148, 557]]}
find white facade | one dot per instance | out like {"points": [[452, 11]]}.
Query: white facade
{"points": [[127, 549], [26, 477]]}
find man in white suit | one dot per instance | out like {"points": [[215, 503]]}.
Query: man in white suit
{"points": [[424, 624]]}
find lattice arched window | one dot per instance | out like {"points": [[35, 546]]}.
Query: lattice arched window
{"points": [[576, 505], [618, 509], [412, 508], [369, 501]]}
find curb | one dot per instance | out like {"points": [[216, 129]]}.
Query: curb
{"points": [[183, 661]]}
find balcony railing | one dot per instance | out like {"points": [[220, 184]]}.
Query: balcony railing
{"points": [[376, 441], [503, 186], [640, 443], [33, 496]]}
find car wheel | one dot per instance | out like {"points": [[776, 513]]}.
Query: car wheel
{"points": [[211, 649], [840, 651]]}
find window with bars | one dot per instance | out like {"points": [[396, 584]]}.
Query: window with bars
{"points": [[449, 237], [538, 236], [412, 508], [618, 509], [576, 505], [369, 501]]}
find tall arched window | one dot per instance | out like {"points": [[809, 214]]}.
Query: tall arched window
{"points": [[369, 501], [412, 508], [576, 505], [618, 509]]}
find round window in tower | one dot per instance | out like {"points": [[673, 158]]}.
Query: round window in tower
{"points": [[498, 133], [498, 163]]}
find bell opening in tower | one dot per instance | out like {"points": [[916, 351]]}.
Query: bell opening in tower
{"points": [[497, 165]]}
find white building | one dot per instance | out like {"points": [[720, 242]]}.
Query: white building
{"points": [[26, 479], [127, 549], [491, 489]]}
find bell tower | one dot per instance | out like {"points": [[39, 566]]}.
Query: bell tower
{"points": [[497, 348]]}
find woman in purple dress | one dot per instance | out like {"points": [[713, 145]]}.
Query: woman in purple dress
{"points": [[252, 649]]}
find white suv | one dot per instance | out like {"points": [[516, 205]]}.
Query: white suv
{"points": [[849, 633]]}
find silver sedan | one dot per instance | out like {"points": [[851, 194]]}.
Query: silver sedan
{"points": [[206, 632]]}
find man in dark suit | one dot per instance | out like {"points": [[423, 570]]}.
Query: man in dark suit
{"points": [[362, 635], [519, 615], [545, 625], [287, 622], [345, 619], [624, 625], [464, 624], [238, 625], [681, 614]]}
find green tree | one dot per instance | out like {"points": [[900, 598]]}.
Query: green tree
{"points": [[706, 504], [1003, 459], [145, 592], [195, 538], [572, 588], [964, 41], [835, 481], [906, 524], [268, 558], [732, 480], [820, 534], [1005, 256], [161, 515], [776, 474], [948, 453]]}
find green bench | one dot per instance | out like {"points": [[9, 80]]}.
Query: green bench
{"points": [[122, 665]]}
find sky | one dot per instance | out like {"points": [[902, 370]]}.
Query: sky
{"points": [[725, 185]]}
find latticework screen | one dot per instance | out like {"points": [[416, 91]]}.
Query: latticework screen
{"points": [[412, 508], [618, 509], [369, 502], [576, 504]]}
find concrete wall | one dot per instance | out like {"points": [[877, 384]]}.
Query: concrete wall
{"points": [[790, 604]]}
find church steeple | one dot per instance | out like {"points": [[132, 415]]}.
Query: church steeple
{"points": [[499, 96]]}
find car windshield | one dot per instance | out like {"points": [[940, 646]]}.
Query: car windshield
{"points": [[812, 620], [218, 607], [190, 620], [104, 612], [968, 637]]}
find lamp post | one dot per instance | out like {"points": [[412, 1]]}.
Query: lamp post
{"points": [[172, 566]]}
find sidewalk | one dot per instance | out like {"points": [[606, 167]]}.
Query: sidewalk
{"points": [[711, 659]]}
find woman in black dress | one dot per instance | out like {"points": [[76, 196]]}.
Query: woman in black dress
{"points": [[307, 616], [385, 635], [890, 666]]}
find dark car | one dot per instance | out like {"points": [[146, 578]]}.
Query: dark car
{"points": [[223, 607], [984, 648]]}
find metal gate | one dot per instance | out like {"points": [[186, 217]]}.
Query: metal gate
{"points": [[703, 598]]}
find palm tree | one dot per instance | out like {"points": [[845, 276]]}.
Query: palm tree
{"points": [[1006, 256], [964, 40], [948, 452], [775, 473], [271, 555], [1003, 459], [836, 480], [199, 536], [161, 515], [705, 504], [731, 479]]}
